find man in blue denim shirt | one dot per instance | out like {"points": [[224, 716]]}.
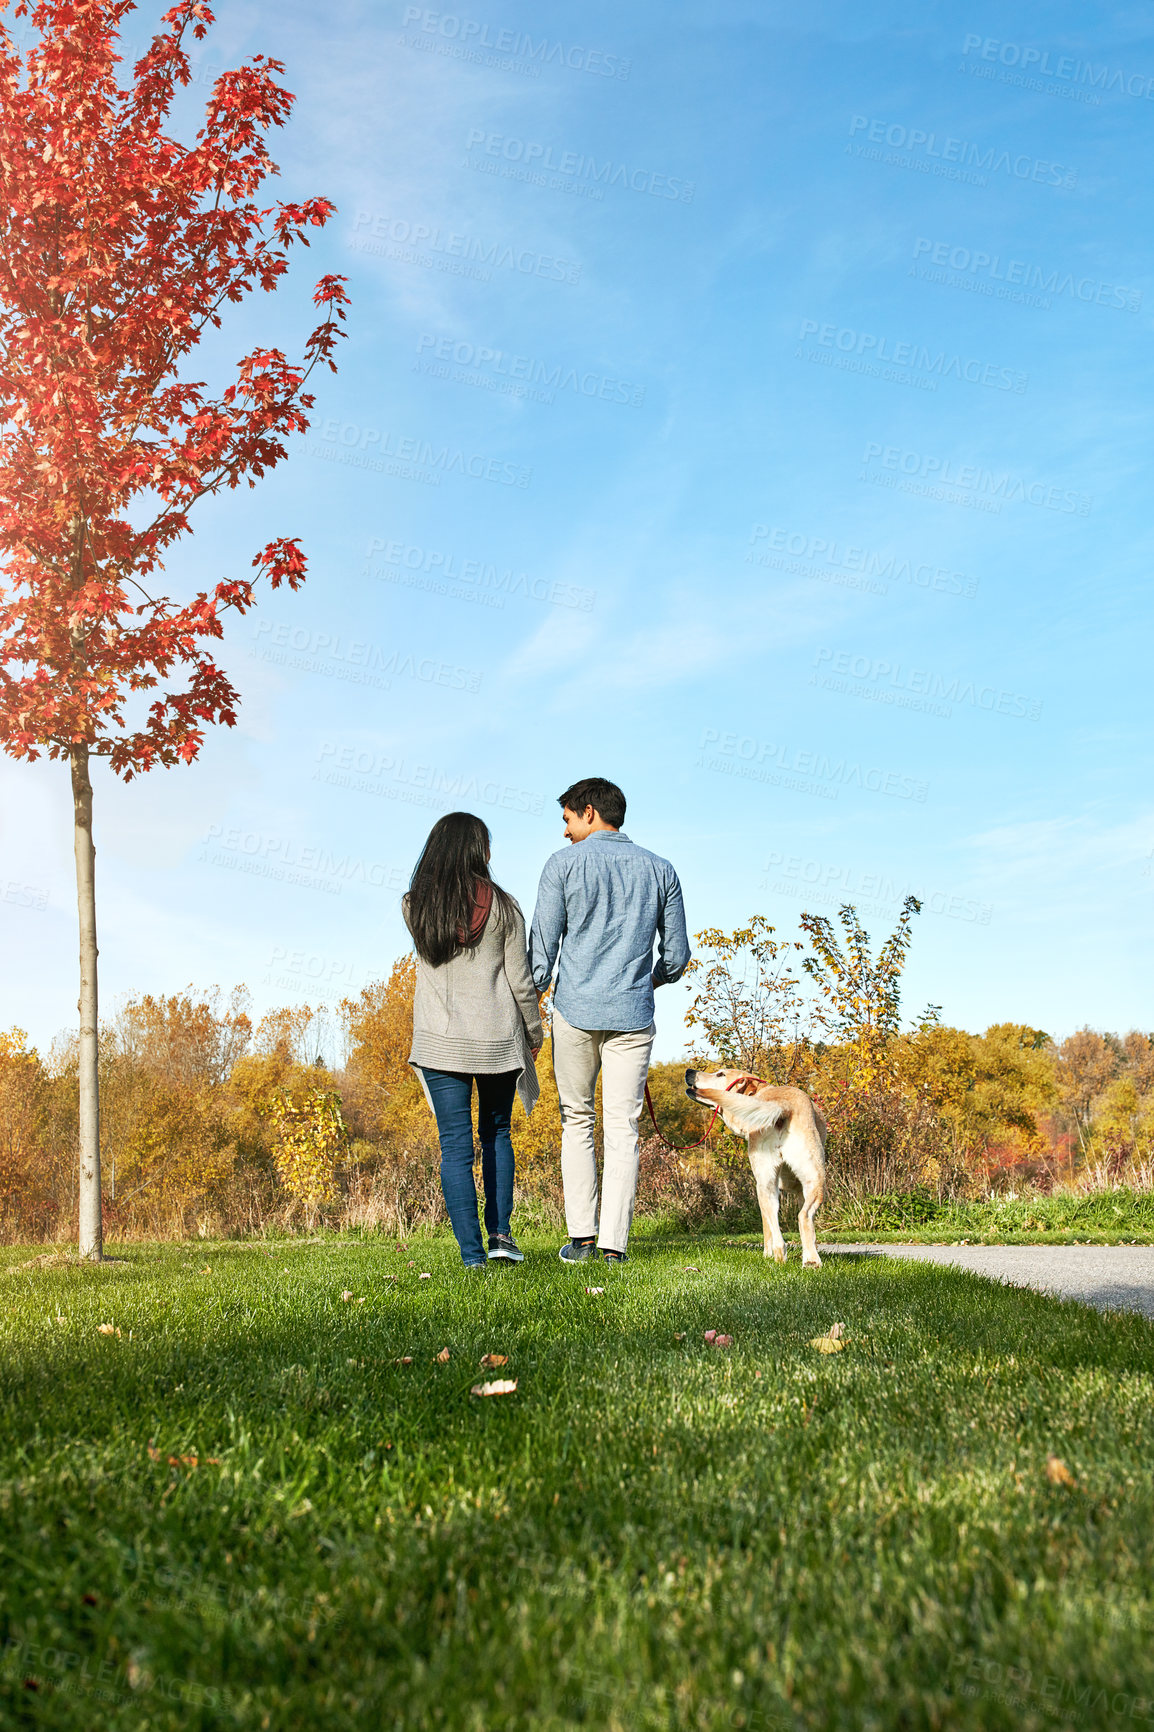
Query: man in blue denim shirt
{"points": [[601, 904]]}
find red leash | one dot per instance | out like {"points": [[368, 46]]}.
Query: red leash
{"points": [[674, 1148]]}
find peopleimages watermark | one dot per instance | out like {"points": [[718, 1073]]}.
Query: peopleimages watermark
{"points": [[818, 881], [576, 1701], [881, 681], [176, 1588], [434, 248], [952, 158], [282, 860], [24, 895], [478, 581], [518, 375], [535, 162], [412, 458], [289, 970], [491, 45], [824, 560], [1041, 63], [1014, 280], [804, 772], [390, 777], [942, 477], [1046, 1693], [69, 1672], [357, 660], [939, 364]]}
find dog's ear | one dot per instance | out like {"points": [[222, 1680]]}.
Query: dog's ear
{"points": [[748, 1085]]}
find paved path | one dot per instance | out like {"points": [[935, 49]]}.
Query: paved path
{"points": [[1112, 1277]]}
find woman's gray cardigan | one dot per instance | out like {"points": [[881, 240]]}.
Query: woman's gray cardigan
{"points": [[478, 1013]]}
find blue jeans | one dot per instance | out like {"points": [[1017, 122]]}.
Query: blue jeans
{"points": [[452, 1096]]}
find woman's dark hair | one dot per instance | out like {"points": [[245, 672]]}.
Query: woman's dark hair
{"points": [[443, 890]]}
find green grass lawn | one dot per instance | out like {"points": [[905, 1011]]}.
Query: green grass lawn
{"points": [[651, 1532], [1118, 1217]]}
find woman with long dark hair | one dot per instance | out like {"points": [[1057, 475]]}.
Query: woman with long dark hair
{"points": [[475, 1020]]}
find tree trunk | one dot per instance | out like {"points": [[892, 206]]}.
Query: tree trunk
{"points": [[91, 1224]]}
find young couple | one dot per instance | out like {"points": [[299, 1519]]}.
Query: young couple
{"points": [[602, 904]]}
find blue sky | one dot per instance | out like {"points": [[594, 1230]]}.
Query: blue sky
{"points": [[747, 404]]}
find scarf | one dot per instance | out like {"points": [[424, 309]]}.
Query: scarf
{"points": [[482, 903]]}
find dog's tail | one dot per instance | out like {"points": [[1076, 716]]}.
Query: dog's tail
{"points": [[749, 1116]]}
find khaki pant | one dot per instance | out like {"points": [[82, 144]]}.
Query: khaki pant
{"points": [[623, 1060]]}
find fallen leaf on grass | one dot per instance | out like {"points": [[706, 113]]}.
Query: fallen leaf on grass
{"points": [[346, 1295], [207, 1270], [490, 1361], [594, 1289], [680, 1336], [723, 1340], [690, 1269], [181, 1460], [107, 1329], [406, 1360], [444, 1356], [833, 1342], [711, 1334], [503, 1386], [424, 1275], [1058, 1473]]}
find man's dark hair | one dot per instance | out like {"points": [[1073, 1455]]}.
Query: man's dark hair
{"points": [[606, 799]]}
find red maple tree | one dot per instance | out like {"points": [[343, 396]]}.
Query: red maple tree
{"points": [[119, 248]]}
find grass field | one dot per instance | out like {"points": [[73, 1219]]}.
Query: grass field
{"points": [[650, 1532], [1114, 1217]]}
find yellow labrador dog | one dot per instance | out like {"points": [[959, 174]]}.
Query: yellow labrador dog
{"points": [[783, 1128]]}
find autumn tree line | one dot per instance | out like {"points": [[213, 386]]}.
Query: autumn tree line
{"points": [[214, 1122]]}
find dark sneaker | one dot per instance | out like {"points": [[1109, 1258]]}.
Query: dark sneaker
{"points": [[614, 1256], [503, 1248], [575, 1252]]}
